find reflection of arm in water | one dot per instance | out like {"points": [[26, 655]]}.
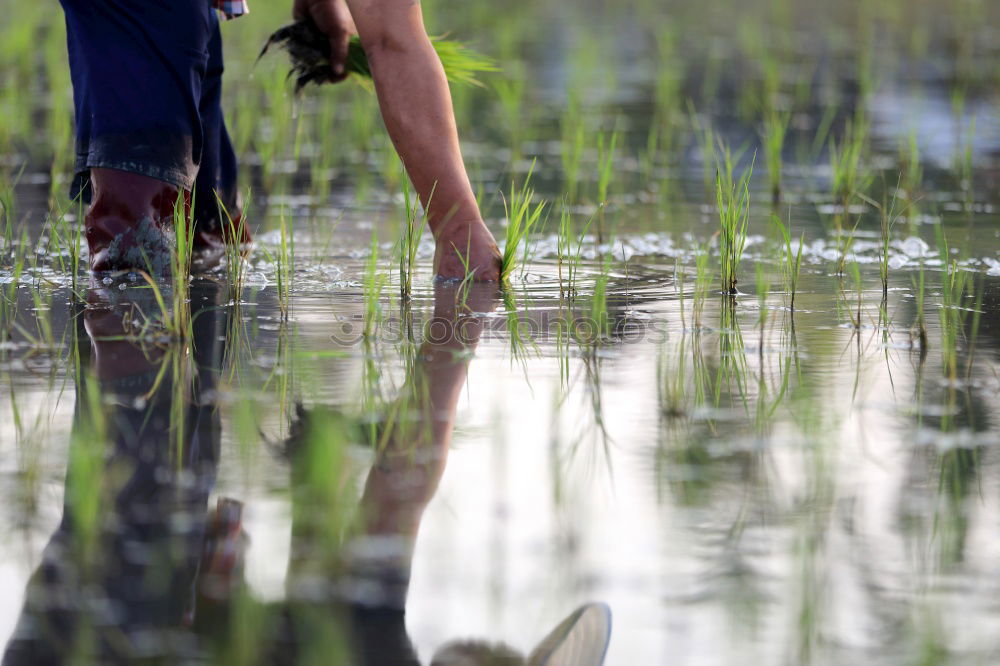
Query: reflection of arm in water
{"points": [[412, 449], [413, 453], [416, 107]]}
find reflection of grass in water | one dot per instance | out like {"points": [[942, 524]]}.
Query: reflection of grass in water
{"points": [[959, 477], [521, 344], [732, 371]]}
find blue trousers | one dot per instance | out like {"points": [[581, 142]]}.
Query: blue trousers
{"points": [[147, 91]]}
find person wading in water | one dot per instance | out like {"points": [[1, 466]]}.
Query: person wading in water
{"points": [[147, 82]]}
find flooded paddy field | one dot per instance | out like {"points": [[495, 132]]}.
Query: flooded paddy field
{"points": [[777, 448]]}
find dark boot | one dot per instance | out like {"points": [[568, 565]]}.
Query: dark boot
{"points": [[130, 222], [217, 230], [215, 233]]}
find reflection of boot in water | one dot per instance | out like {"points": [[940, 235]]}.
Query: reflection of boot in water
{"points": [[130, 598]]}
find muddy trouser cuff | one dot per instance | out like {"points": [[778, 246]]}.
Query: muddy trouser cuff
{"points": [[154, 153]]}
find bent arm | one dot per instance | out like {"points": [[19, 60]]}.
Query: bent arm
{"points": [[416, 107]]}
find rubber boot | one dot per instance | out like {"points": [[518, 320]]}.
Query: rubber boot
{"points": [[217, 231], [129, 225]]}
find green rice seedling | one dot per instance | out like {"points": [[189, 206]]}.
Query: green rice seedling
{"points": [[234, 253], [669, 80], [66, 240], [373, 285], [732, 197], [572, 147], [8, 209], [175, 316], [59, 120], [17, 265], [886, 221], [773, 134], [363, 122], [705, 136], [413, 231], [599, 303], [668, 115], [911, 168], [847, 160], [569, 246], [511, 89], [889, 214], [956, 286], [651, 153], [792, 261], [820, 138], [285, 266], [965, 160], [278, 121], [522, 217], [919, 294], [606, 145], [328, 151]]}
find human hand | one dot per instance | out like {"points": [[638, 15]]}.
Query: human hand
{"points": [[335, 20], [467, 245]]}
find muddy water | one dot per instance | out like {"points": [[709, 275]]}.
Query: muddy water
{"points": [[735, 481]]}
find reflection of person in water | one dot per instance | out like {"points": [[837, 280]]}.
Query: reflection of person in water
{"points": [[411, 444], [127, 597], [163, 572]]}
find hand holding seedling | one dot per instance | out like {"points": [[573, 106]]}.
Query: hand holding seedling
{"points": [[413, 94], [334, 19]]}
